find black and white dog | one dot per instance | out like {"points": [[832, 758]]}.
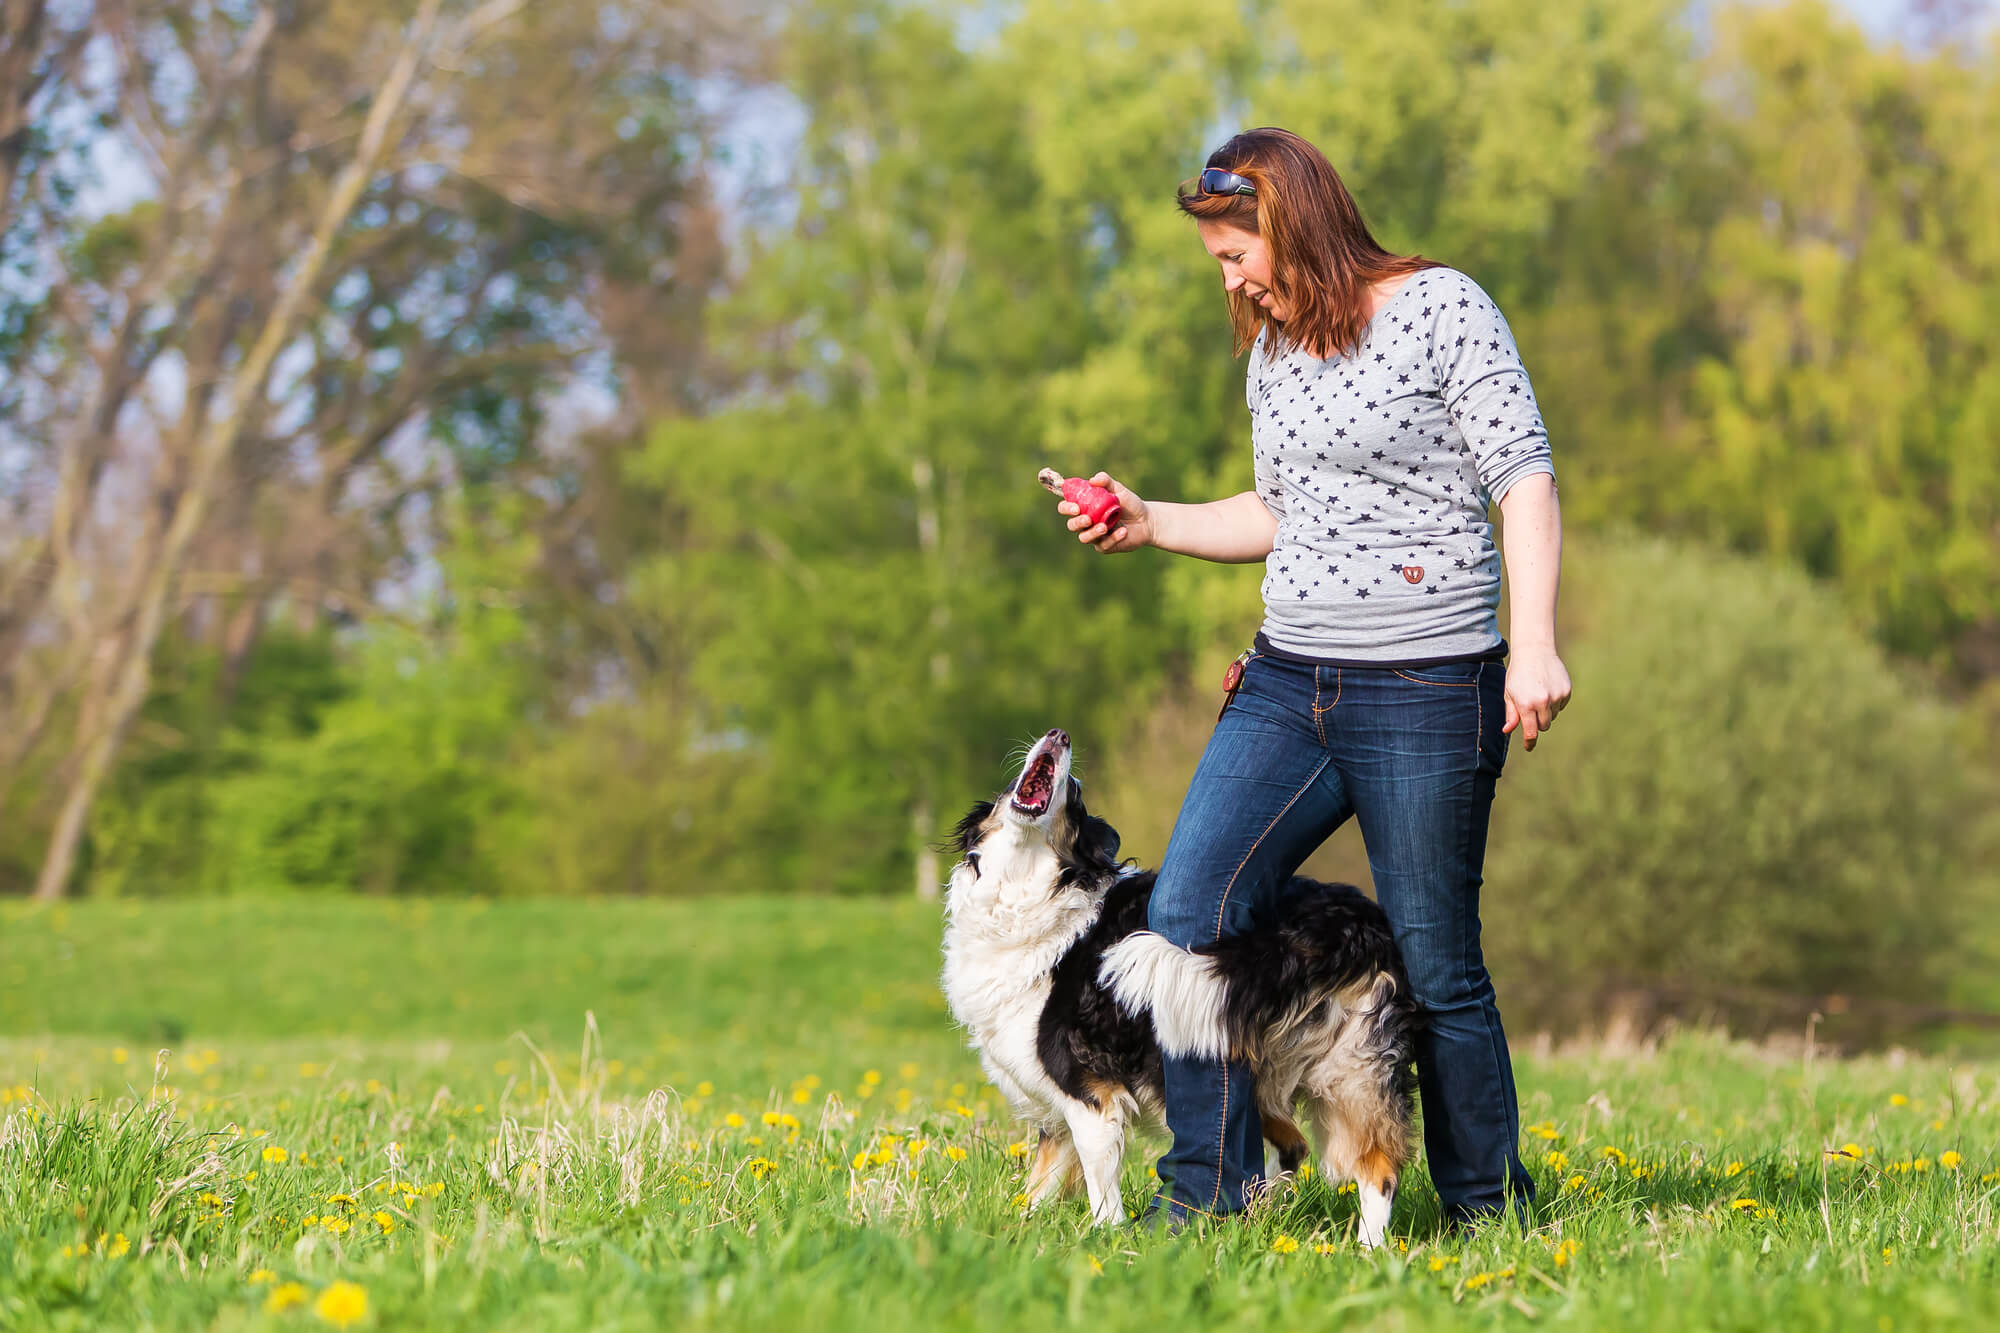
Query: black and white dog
{"points": [[1070, 1000]]}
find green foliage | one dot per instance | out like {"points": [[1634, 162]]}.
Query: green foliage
{"points": [[1745, 794], [1848, 419], [154, 831], [872, 571], [383, 768]]}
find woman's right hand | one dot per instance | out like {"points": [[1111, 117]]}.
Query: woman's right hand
{"points": [[1132, 528]]}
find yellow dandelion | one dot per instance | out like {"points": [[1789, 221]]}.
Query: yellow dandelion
{"points": [[385, 1220], [759, 1166], [860, 1162], [344, 1200], [1898, 1099], [788, 1120], [1613, 1154], [1558, 1160], [1950, 1160], [704, 1089], [337, 1225], [733, 1120], [1018, 1149], [1326, 1247], [770, 1117], [955, 1153], [1437, 1263], [259, 1277], [1573, 1183], [1544, 1130], [1742, 1205], [119, 1247], [801, 1096], [1888, 1254], [284, 1297], [1284, 1245], [1566, 1251], [342, 1304], [872, 1078], [1477, 1280], [275, 1154], [1096, 1264], [1733, 1170], [1921, 1164]]}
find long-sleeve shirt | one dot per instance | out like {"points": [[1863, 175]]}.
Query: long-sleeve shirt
{"points": [[1380, 467]]}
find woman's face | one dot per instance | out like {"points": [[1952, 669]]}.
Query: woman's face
{"points": [[1246, 264]]}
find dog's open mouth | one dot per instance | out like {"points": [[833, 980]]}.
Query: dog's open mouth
{"points": [[1037, 786], [1038, 783]]}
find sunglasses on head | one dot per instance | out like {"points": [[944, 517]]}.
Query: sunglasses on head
{"points": [[1217, 181]]}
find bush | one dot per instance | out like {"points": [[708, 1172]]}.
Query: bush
{"points": [[1746, 795]]}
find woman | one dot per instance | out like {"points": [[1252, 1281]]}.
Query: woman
{"points": [[1389, 407]]}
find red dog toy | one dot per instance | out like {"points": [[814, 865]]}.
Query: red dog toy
{"points": [[1098, 503]]}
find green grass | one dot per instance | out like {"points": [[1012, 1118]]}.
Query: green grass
{"points": [[540, 1169]]}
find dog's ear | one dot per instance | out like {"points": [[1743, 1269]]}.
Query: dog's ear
{"points": [[967, 833], [1098, 841]]}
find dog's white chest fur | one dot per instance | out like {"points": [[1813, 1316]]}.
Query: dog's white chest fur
{"points": [[1005, 935]]}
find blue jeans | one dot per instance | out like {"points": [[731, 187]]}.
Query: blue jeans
{"points": [[1414, 755]]}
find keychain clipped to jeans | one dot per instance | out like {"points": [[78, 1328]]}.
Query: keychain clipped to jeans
{"points": [[1232, 681]]}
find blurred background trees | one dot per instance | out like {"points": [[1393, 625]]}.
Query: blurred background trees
{"points": [[635, 494]]}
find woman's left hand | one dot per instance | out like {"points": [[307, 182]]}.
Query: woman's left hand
{"points": [[1537, 689]]}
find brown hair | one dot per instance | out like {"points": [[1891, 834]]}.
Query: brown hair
{"points": [[1323, 257]]}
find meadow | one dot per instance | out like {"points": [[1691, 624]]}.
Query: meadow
{"points": [[728, 1113]]}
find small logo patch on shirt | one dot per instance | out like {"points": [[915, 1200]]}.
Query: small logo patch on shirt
{"points": [[1412, 573]]}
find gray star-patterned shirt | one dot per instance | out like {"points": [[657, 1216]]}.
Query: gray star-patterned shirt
{"points": [[1379, 469]]}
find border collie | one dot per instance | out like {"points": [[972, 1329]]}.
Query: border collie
{"points": [[1070, 1000]]}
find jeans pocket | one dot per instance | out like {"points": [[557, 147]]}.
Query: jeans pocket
{"points": [[1492, 682], [1462, 675]]}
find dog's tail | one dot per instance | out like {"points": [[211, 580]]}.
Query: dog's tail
{"points": [[1332, 956], [1185, 991]]}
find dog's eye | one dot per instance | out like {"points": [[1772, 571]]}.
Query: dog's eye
{"points": [[972, 859]]}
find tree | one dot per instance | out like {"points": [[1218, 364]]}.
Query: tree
{"points": [[283, 375], [1847, 420], [865, 548]]}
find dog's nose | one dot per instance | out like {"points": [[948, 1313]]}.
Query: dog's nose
{"points": [[1058, 734]]}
